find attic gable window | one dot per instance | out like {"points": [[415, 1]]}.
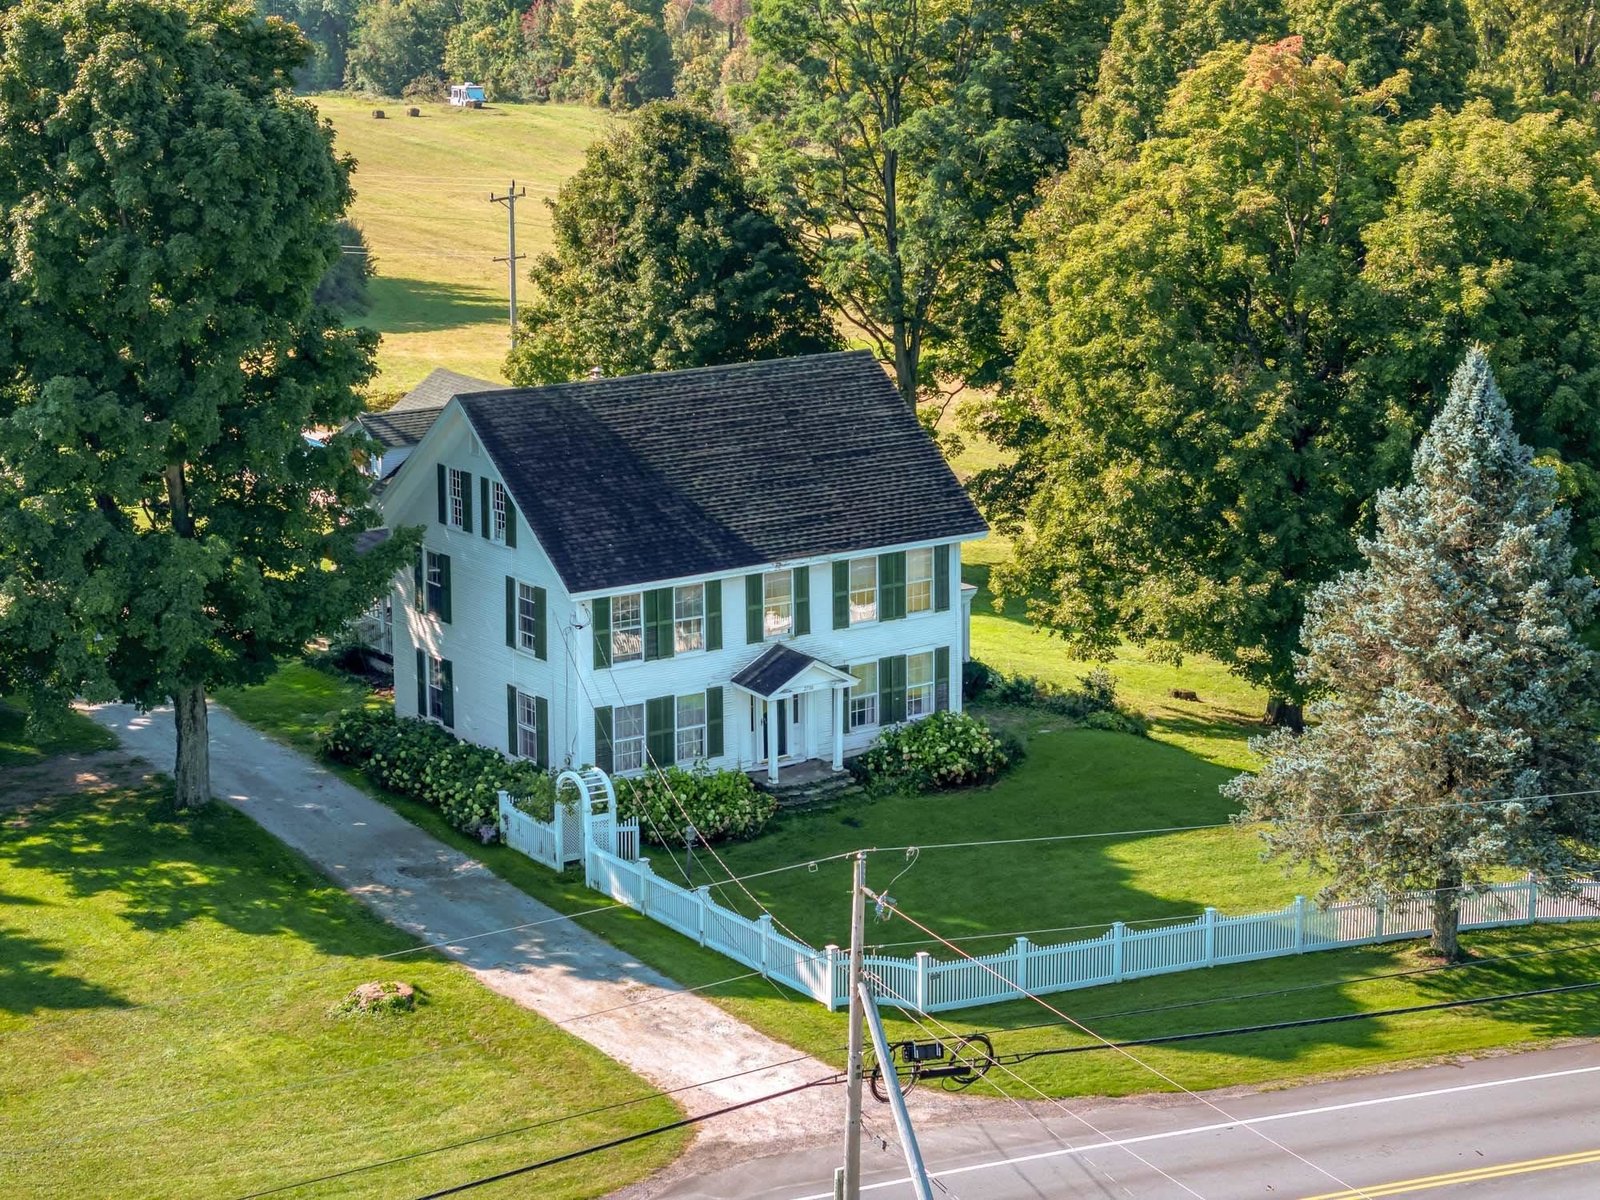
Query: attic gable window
{"points": [[497, 513], [777, 603], [458, 483]]}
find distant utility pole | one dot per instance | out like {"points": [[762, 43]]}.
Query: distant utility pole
{"points": [[513, 194], [847, 1183]]}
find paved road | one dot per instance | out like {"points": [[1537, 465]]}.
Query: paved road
{"points": [[1504, 1128], [550, 965]]}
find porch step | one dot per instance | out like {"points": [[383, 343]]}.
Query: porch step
{"points": [[835, 787]]}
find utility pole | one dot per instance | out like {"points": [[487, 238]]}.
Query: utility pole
{"points": [[897, 1101], [847, 1183], [513, 194]]}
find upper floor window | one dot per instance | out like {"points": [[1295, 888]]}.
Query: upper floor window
{"points": [[691, 728], [627, 628], [919, 684], [498, 508], [457, 483], [864, 695], [863, 590], [777, 603], [919, 580], [436, 578], [689, 618], [627, 737], [528, 618]]}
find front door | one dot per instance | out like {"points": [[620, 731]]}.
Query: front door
{"points": [[790, 714], [783, 729]]}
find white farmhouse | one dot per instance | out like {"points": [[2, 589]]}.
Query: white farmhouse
{"points": [[750, 566]]}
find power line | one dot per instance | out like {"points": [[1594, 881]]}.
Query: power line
{"points": [[1156, 1071], [622, 1141]]}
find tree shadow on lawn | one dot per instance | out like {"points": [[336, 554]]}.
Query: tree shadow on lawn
{"points": [[400, 305], [157, 872]]}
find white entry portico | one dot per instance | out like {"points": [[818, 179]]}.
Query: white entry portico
{"points": [[796, 708]]}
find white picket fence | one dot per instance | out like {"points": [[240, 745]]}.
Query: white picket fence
{"points": [[612, 865]]}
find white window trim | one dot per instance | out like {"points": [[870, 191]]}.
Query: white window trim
{"points": [[869, 700], [435, 669], [618, 741], [679, 622], [431, 568], [456, 499], [638, 599], [680, 728], [526, 637], [928, 692], [916, 579], [499, 507], [527, 726], [768, 632]]}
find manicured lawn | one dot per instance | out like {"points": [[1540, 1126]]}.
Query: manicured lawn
{"points": [[164, 1027], [20, 746], [422, 199], [299, 700]]}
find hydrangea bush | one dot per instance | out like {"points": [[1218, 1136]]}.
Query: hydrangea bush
{"points": [[420, 760], [721, 805], [940, 751], [1093, 702]]}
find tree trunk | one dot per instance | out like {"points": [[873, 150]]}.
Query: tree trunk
{"points": [[193, 770], [1446, 940], [1285, 713]]}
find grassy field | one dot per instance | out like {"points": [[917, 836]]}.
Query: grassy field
{"points": [[19, 747], [165, 1031], [422, 199]]}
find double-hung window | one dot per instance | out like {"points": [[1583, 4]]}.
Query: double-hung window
{"points": [[527, 618], [627, 737], [689, 619], [864, 695], [527, 726], [437, 688], [919, 580], [627, 629], [433, 578], [777, 603], [691, 728], [457, 483], [863, 590], [498, 507], [919, 684]]}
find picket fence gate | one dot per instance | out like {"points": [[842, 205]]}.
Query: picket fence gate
{"points": [[613, 865]]}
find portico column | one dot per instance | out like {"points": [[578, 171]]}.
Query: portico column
{"points": [[838, 727], [771, 725]]}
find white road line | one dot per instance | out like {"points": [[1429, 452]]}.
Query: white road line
{"points": [[1221, 1125]]}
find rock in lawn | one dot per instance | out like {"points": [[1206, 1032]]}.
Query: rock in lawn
{"points": [[378, 997]]}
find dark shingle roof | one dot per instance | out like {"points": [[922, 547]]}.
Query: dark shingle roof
{"points": [[776, 667], [653, 477], [399, 428], [436, 390]]}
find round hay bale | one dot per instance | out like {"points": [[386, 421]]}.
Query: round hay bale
{"points": [[378, 997], [377, 114], [413, 112]]}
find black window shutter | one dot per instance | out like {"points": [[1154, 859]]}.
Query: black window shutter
{"points": [[661, 729], [447, 680], [444, 587], [892, 689], [466, 501], [541, 741], [941, 678], [512, 740], [714, 614], [541, 645], [511, 611], [754, 606], [802, 600], [444, 497], [602, 739], [892, 585], [422, 685], [511, 522], [658, 639], [941, 578], [601, 619], [713, 722], [421, 597], [485, 510], [841, 594]]}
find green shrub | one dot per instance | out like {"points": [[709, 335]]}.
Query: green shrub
{"points": [[942, 750], [425, 762], [1093, 702], [722, 805]]}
